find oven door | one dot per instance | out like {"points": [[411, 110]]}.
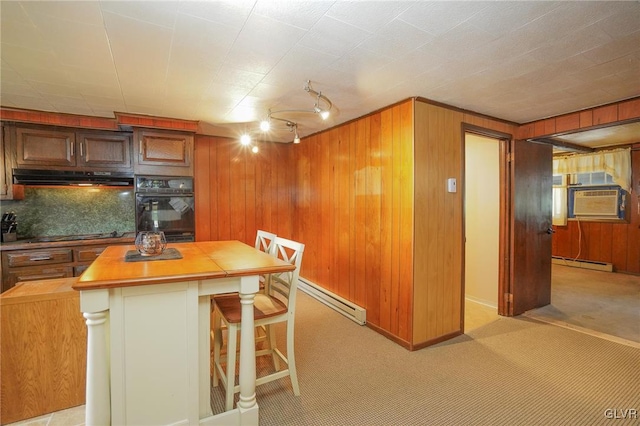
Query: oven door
{"points": [[172, 214]]}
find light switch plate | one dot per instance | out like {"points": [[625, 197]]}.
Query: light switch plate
{"points": [[452, 185]]}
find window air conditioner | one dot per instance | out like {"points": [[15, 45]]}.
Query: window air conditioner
{"points": [[603, 203]]}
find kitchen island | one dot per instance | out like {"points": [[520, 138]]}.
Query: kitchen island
{"points": [[148, 332]]}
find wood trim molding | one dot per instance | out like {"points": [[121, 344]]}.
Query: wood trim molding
{"points": [[140, 120], [56, 119]]}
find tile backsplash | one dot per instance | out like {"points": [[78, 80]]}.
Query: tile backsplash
{"points": [[72, 211]]}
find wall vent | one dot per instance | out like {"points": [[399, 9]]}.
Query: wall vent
{"points": [[335, 302]]}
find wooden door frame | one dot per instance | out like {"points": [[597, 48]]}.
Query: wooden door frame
{"points": [[505, 304]]}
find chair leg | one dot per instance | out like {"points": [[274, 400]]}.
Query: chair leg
{"points": [[217, 344], [271, 342], [232, 339], [291, 360]]}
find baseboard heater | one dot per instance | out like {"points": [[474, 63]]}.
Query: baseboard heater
{"points": [[585, 264], [335, 302]]}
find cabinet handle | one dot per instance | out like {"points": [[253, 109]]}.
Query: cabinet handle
{"points": [[41, 257], [73, 149], [140, 147], [81, 154]]}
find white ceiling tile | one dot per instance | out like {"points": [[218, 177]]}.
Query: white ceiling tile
{"points": [[85, 12], [438, 17], [254, 51], [333, 37], [233, 13], [27, 102], [396, 39], [360, 60], [501, 18], [301, 14], [370, 16], [195, 33], [22, 89], [236, 77], [623, 22], [139, 47], [162, 13], [617, 48]]}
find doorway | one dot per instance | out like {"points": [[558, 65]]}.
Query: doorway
{"points": [[482, 229]]}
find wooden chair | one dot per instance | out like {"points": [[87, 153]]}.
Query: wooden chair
{"points": [[264, 240], [276, 304]]}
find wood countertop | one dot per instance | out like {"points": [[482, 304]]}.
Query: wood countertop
{"points": [[200, 260], [37, 291]]}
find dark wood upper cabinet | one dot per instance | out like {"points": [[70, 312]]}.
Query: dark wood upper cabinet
{"points": [[44, 147], [69, 150], [104, 150], [164, 153]]}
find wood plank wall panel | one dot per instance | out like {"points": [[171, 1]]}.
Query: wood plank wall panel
{"points": [[438, 223], [616, 243], [354, 207], [238, 192]]}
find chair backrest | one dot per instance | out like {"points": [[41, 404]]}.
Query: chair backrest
{"points": [[284, 285], [264, 241]]}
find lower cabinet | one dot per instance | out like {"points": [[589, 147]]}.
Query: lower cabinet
{"points": [[43, 352], [47, 263]]}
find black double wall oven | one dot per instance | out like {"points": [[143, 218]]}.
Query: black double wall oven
{"points": [[166, 203]]}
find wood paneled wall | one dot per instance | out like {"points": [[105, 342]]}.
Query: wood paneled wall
{"points": [[238, 192], [369, 203], [354, 212], [615, 243], [438, 224]]}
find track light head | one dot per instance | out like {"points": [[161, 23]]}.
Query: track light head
{"points": [[245, 140], [322, 107]]}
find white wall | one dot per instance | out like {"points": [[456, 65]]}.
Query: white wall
{"points": [[482, 216]]}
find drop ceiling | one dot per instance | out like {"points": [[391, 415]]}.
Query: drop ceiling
{"points": [[226, 63]]}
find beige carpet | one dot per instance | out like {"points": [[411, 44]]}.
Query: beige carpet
{"points": [[513, 371], [603, 302]]}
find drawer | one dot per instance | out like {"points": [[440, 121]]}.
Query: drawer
{"points": [[33, 274], [88, 254], [38, 257]]}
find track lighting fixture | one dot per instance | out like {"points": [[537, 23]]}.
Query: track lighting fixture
{"points": [[321, 107]]}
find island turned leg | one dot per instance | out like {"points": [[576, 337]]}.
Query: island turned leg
{"points": [[98, 404], [95, 307], [247, 379]]}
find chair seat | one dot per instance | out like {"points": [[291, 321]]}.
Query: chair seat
{"points": [[263, 307]]}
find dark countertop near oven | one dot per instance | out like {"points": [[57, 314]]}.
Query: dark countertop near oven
{"points": [[55, 242]]}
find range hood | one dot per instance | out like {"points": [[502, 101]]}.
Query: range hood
{"points": [[71, 178]]}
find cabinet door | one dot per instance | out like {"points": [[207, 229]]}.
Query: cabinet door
{"points": [[164, 153], [104, 150], [45, 148]]}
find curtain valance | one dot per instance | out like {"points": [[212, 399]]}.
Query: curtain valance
{"points": [[616, 162]]}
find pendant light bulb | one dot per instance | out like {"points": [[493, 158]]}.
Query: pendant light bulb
{"points": [[265, 125], [324, 115], [245, 140], [254, 149]]}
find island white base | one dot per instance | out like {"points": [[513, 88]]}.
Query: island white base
{"points": [[148, 355]]}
